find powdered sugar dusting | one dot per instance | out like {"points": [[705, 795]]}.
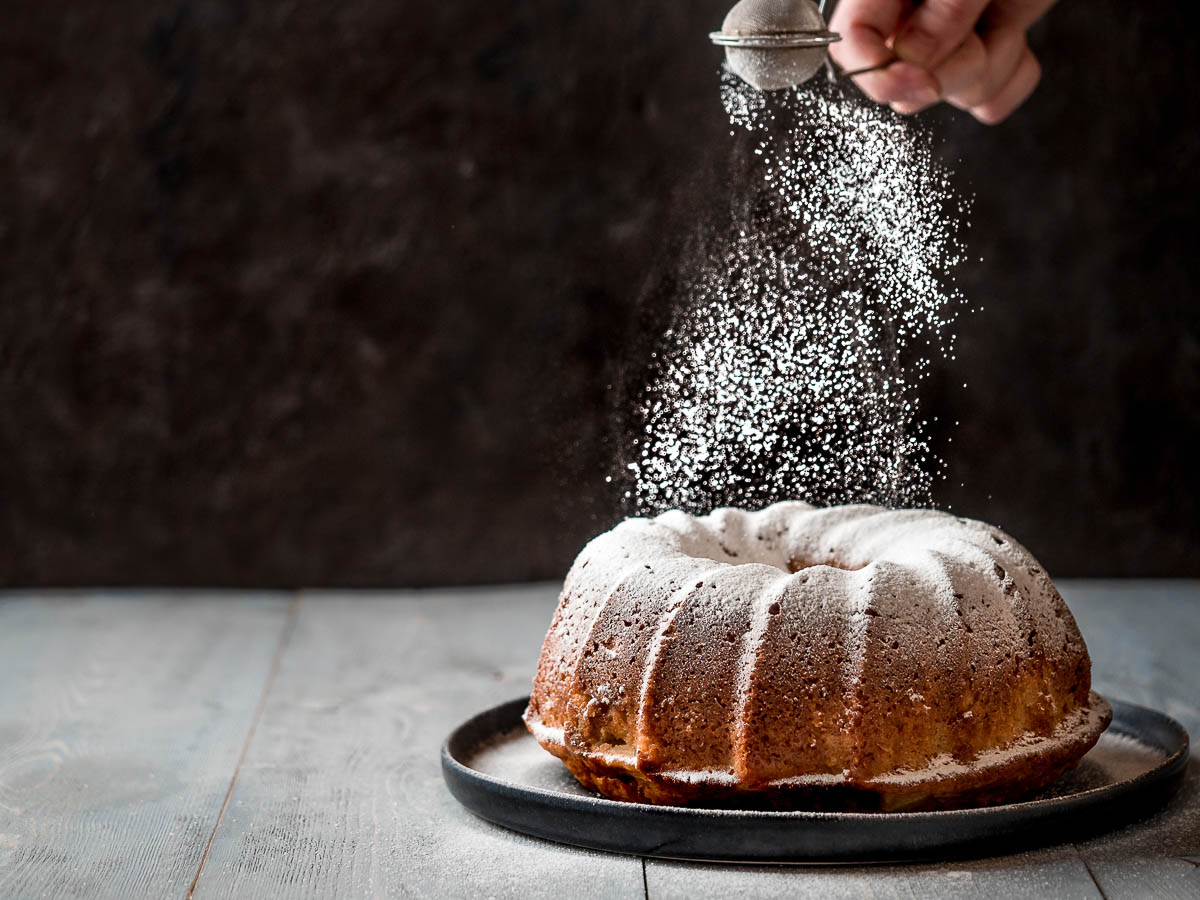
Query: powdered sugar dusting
{"points": [[791, 364], [860, 552], [1082, 721]]}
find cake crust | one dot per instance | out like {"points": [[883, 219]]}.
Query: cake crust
{"points": [[1002, 776]]}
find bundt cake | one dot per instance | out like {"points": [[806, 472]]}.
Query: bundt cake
{"points": [[852, 657]]}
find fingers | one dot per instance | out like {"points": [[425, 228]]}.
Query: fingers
{"points": [[988, 77], [907, 88], [1014, 92], [866, 26], [1004, 49], [936, 29], [970, 53], [963, 68]]}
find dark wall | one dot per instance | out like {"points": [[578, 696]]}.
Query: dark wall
{"points": [[332, 293]]}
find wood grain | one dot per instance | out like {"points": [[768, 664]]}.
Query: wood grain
{"points": [[1137, 877], [341, 793], [1056, 873], [121, 720], [1144, 639]]}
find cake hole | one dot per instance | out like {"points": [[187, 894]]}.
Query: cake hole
{"points": [[798, 564]]}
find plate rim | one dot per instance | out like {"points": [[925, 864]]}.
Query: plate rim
{"points": [[461, 779]]}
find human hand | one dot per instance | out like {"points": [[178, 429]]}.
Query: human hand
{"points": [[970, 53]]}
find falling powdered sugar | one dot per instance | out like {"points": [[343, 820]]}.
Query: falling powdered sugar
{"points": [[800, 333]]}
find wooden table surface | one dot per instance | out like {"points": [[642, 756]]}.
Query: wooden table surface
{"points": [[154, 744]]}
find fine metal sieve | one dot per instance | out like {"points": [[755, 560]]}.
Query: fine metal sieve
{"points": [[774, 44]]}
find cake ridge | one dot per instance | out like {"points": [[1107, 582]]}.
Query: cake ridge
{"points": [[858, 625], [679, 600], [572, 733], [773, 593], [568, 669]]}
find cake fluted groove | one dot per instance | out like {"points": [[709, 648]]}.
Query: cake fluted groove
{"points": [[606, 688], [572, 714], [643, 729], [571, 656], [858, 600], [742, 722]]}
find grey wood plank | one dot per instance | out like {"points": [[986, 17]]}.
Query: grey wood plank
{"points": [[341, 791], [1154, 857], [117, 750], [1139, 877], [121, 722], [1144, 640], [1057, 872]]}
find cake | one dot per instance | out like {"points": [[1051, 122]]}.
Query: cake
{"points": [[850, 657]]}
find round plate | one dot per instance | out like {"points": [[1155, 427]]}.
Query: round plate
{"points": [[493, 766]]}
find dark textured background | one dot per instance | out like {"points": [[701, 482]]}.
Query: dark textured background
{"points": [[312, 293]]}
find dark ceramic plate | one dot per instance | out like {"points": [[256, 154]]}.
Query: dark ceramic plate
{"points": [[495, 768]]}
